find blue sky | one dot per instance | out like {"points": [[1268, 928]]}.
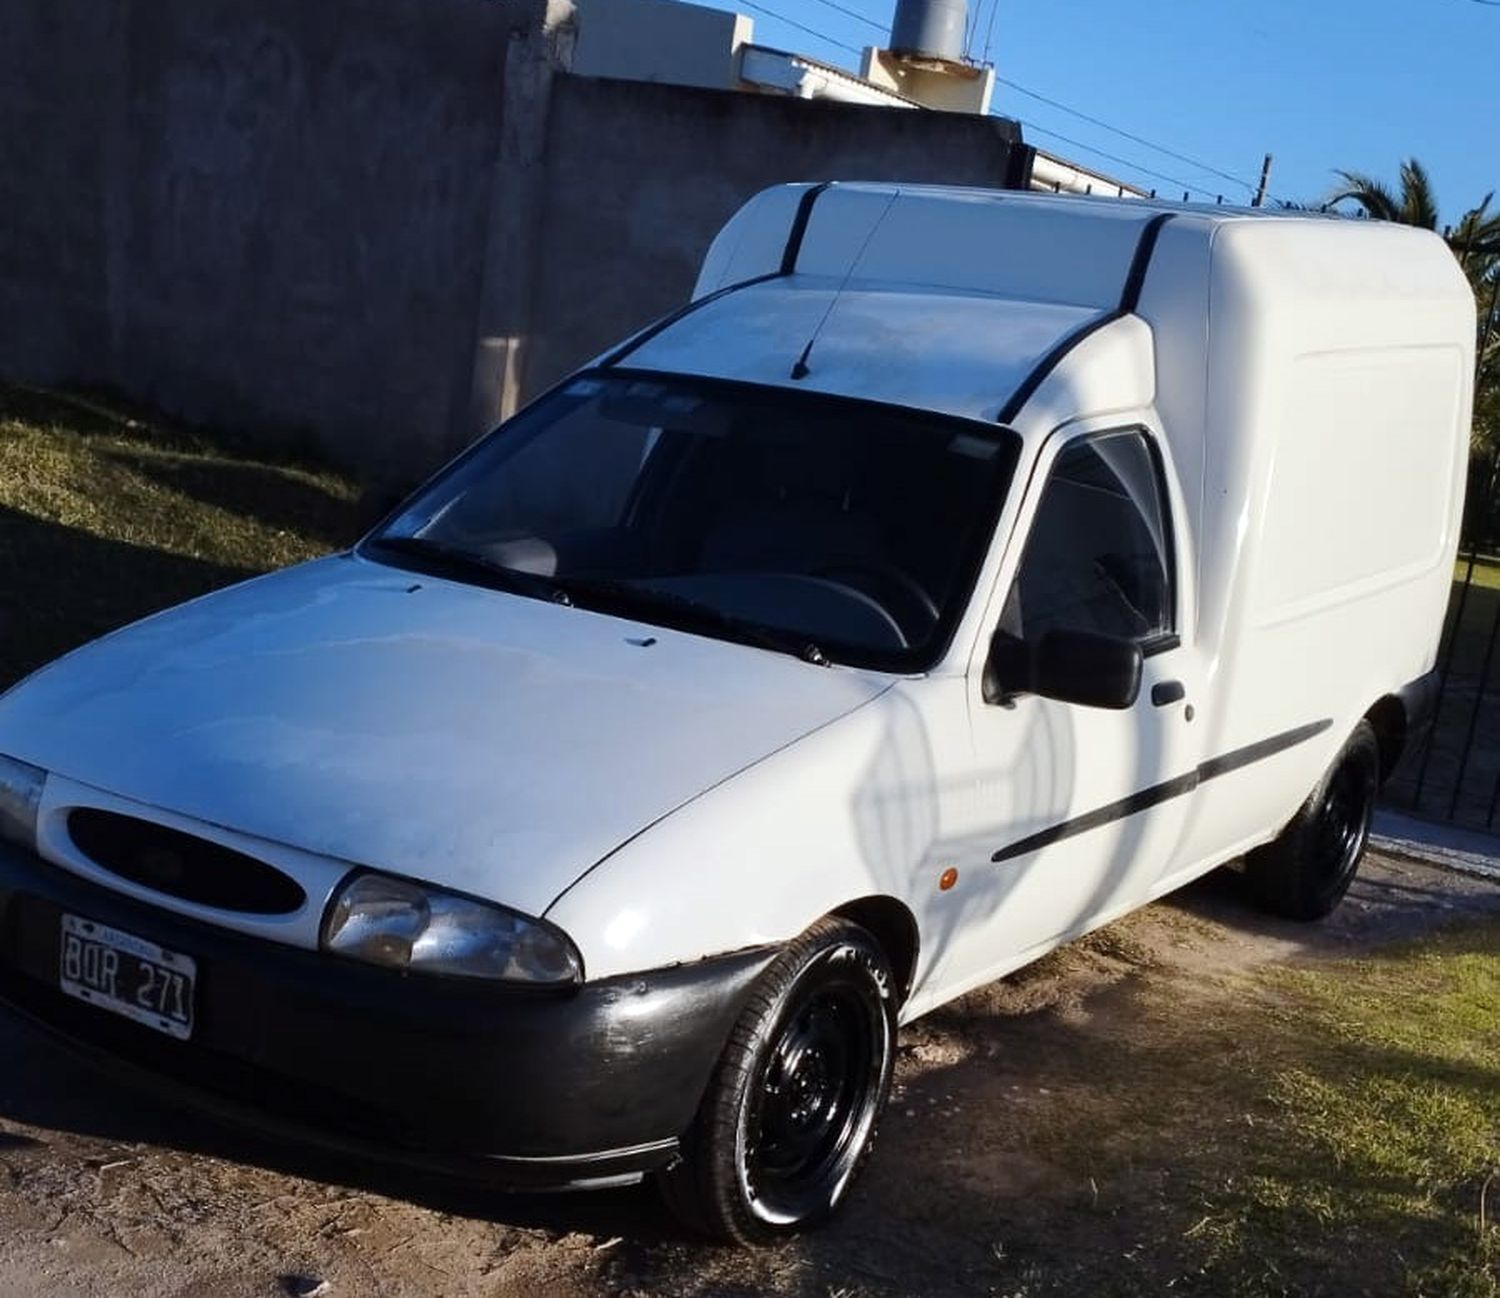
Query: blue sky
{"points": [[1321, 84]]}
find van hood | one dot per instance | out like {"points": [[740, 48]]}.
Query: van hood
{"points": [[477, 740]]}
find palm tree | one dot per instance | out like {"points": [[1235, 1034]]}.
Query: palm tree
{"points": [[1414, 205], [1475, 240]]}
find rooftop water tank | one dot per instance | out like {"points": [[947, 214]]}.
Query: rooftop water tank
{"points": [[930, 29]]}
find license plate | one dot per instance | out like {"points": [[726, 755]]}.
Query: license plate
{"points": [[127, 975]]}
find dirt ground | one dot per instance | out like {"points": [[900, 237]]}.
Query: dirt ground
{"points": [[105, 1192]]}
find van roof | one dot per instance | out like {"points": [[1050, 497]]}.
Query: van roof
{"points": [[952, 352], [955, 299], [1214, 211], [1038, 247]]}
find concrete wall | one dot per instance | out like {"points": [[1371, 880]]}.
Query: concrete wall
{"points": [[263, 214], [55, 147], [378, 225], [641, 177]]}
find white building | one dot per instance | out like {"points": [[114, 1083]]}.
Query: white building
{"points": [[679, 43]]}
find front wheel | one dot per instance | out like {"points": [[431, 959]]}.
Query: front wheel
{"points": [[1306, 871], [791, 1112]]}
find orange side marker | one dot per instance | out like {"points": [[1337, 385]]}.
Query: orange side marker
{"points": [[948, 879]]}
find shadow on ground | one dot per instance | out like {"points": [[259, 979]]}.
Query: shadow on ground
{"points": [[84, 416], [61, 587], [91, 414], [275, 497]]}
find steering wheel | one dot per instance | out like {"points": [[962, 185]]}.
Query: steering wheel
{"points": [[915, 609]]}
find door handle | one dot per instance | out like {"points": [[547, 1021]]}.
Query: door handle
{"points": [[1165, 693]]}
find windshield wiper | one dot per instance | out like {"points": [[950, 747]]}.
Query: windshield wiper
{"points": [[609, 596], [465, 563], [622, 597]]}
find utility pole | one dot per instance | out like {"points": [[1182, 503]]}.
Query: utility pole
{"points": [[1265, 179]]}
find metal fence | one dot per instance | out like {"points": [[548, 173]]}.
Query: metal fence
{"points": [[1455, 775]]}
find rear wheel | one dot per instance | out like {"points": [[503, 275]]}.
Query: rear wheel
{"points": [[791, 1112], [1305, 873]]}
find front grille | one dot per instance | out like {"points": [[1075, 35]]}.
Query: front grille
{"points": [[182, 865]]}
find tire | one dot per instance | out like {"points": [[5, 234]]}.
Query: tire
{"points": [[1306, 871], [790, 1114]]}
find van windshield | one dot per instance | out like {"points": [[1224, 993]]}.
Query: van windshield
{"points": [[836, 529]]}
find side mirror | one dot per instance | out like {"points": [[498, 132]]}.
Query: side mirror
{"points": [[1094, 671]]}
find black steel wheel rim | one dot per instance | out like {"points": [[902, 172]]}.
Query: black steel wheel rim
{"points": [[1344, 821], [813, 1110]]}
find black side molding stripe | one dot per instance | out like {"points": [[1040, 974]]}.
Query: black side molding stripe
{"points": [[1101, 816], [789, 256], [1050, 362], [667, 321], [1216, 766], [800, 223], [1130, 297], [1159, 793]]}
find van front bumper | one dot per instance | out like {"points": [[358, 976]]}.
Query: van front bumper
{"points": [[517, 1088]]}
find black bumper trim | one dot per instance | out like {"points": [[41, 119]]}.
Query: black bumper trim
{"points": [[518, 1089], [500, 1171]]}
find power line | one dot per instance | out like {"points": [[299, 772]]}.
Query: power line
{"points": [[865, 18], [1032, 126], [1114, 157], [801, 27], [1137, 139], [1248, 186], [989, 32]]}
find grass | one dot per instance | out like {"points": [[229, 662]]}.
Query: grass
{"points": [[1331, 1129], [1387, 1090], [1486, 571], [105, 518]]}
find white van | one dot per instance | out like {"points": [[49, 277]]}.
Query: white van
{"points": [[958, 572]]}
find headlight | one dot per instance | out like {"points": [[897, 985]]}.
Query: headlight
{"points": [[404, 925], [20, 796]]}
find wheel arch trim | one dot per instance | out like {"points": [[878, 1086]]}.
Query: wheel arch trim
{"points": [[891, 923]]}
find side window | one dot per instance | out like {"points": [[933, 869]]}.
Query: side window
{"points": [[1099, 557]]}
